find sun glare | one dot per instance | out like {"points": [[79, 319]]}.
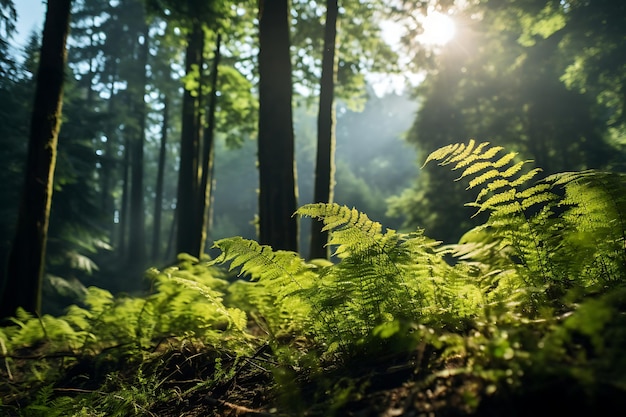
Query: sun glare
{"points": [[439, 29]]}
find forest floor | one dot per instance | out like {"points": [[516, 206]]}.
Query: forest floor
{"points": [[194, 380], [388, 388]]}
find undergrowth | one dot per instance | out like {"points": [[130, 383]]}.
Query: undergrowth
{"points": [[534, 294]]}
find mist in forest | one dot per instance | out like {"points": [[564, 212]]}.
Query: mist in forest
{"points": [[374, 162]]}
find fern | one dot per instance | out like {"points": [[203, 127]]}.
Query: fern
{"points": [[368, 283], [382, 278], [519, 212], [189, 301], [353, 231], [277, 275], [556, 245], [259, 261], [593, 225]]}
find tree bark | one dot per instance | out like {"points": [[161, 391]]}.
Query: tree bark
{"points": [[137, 237], [21, 285], [158, 199], [188, 180], [108, 160], [277, 172], [325, 163], [124, 206], [208, 154]]}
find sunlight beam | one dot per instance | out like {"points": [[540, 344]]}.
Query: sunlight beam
{"points": [[439, 29]]}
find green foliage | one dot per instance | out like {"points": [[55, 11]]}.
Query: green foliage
{"points": [[527, 75], [536, 292], [570, 245], [185, 308], [187, 303], [383, 282], [277, 275]]}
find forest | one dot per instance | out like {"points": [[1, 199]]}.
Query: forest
{"points": [[302, 208]]}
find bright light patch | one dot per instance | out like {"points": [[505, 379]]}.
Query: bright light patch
{"points": [[439, 29]]}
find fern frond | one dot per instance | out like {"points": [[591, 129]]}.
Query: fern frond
{"points": [[461, 154], [519, 211], [504, 160], [524, 178], [352, 232], [537, 195], [443, 152], [260, 262], [595, 223], [514, 169], [483, 178], [335, 217], [498, 200], [477, 154], [381, 276], [475, 167]]}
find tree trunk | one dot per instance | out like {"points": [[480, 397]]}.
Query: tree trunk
{"points": [[123, 213], [21, 285], [325, 164], [277, 172], [158, 199], [108, 161], [188, 180], [208, 154], [137, 238]]}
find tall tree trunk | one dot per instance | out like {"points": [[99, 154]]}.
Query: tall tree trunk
{"points": [[123, 213], [137, 238], [109, 159], [325, 162], [208, 153], [158, 199], [169, 251], [277, 172], [188, 179], [21, 285], [106, 161]]}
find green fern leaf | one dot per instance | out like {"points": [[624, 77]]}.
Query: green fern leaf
{"points": [[443, 152], [257, 261], [481, 179], [505, 160], [335, 216], [496, 201], [535, 199], [475, 168], [477, 154], [460, 154], [514, 169]]}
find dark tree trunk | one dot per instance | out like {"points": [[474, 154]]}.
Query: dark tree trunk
{"points": [[277, 174], [188, 181], [123, 220], [208, 153], [325, 164], [158, 199], [108, 161], [21, 285], [137, 236]]}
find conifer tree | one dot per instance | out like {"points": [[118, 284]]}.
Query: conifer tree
{"points": [[22, 282]]}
